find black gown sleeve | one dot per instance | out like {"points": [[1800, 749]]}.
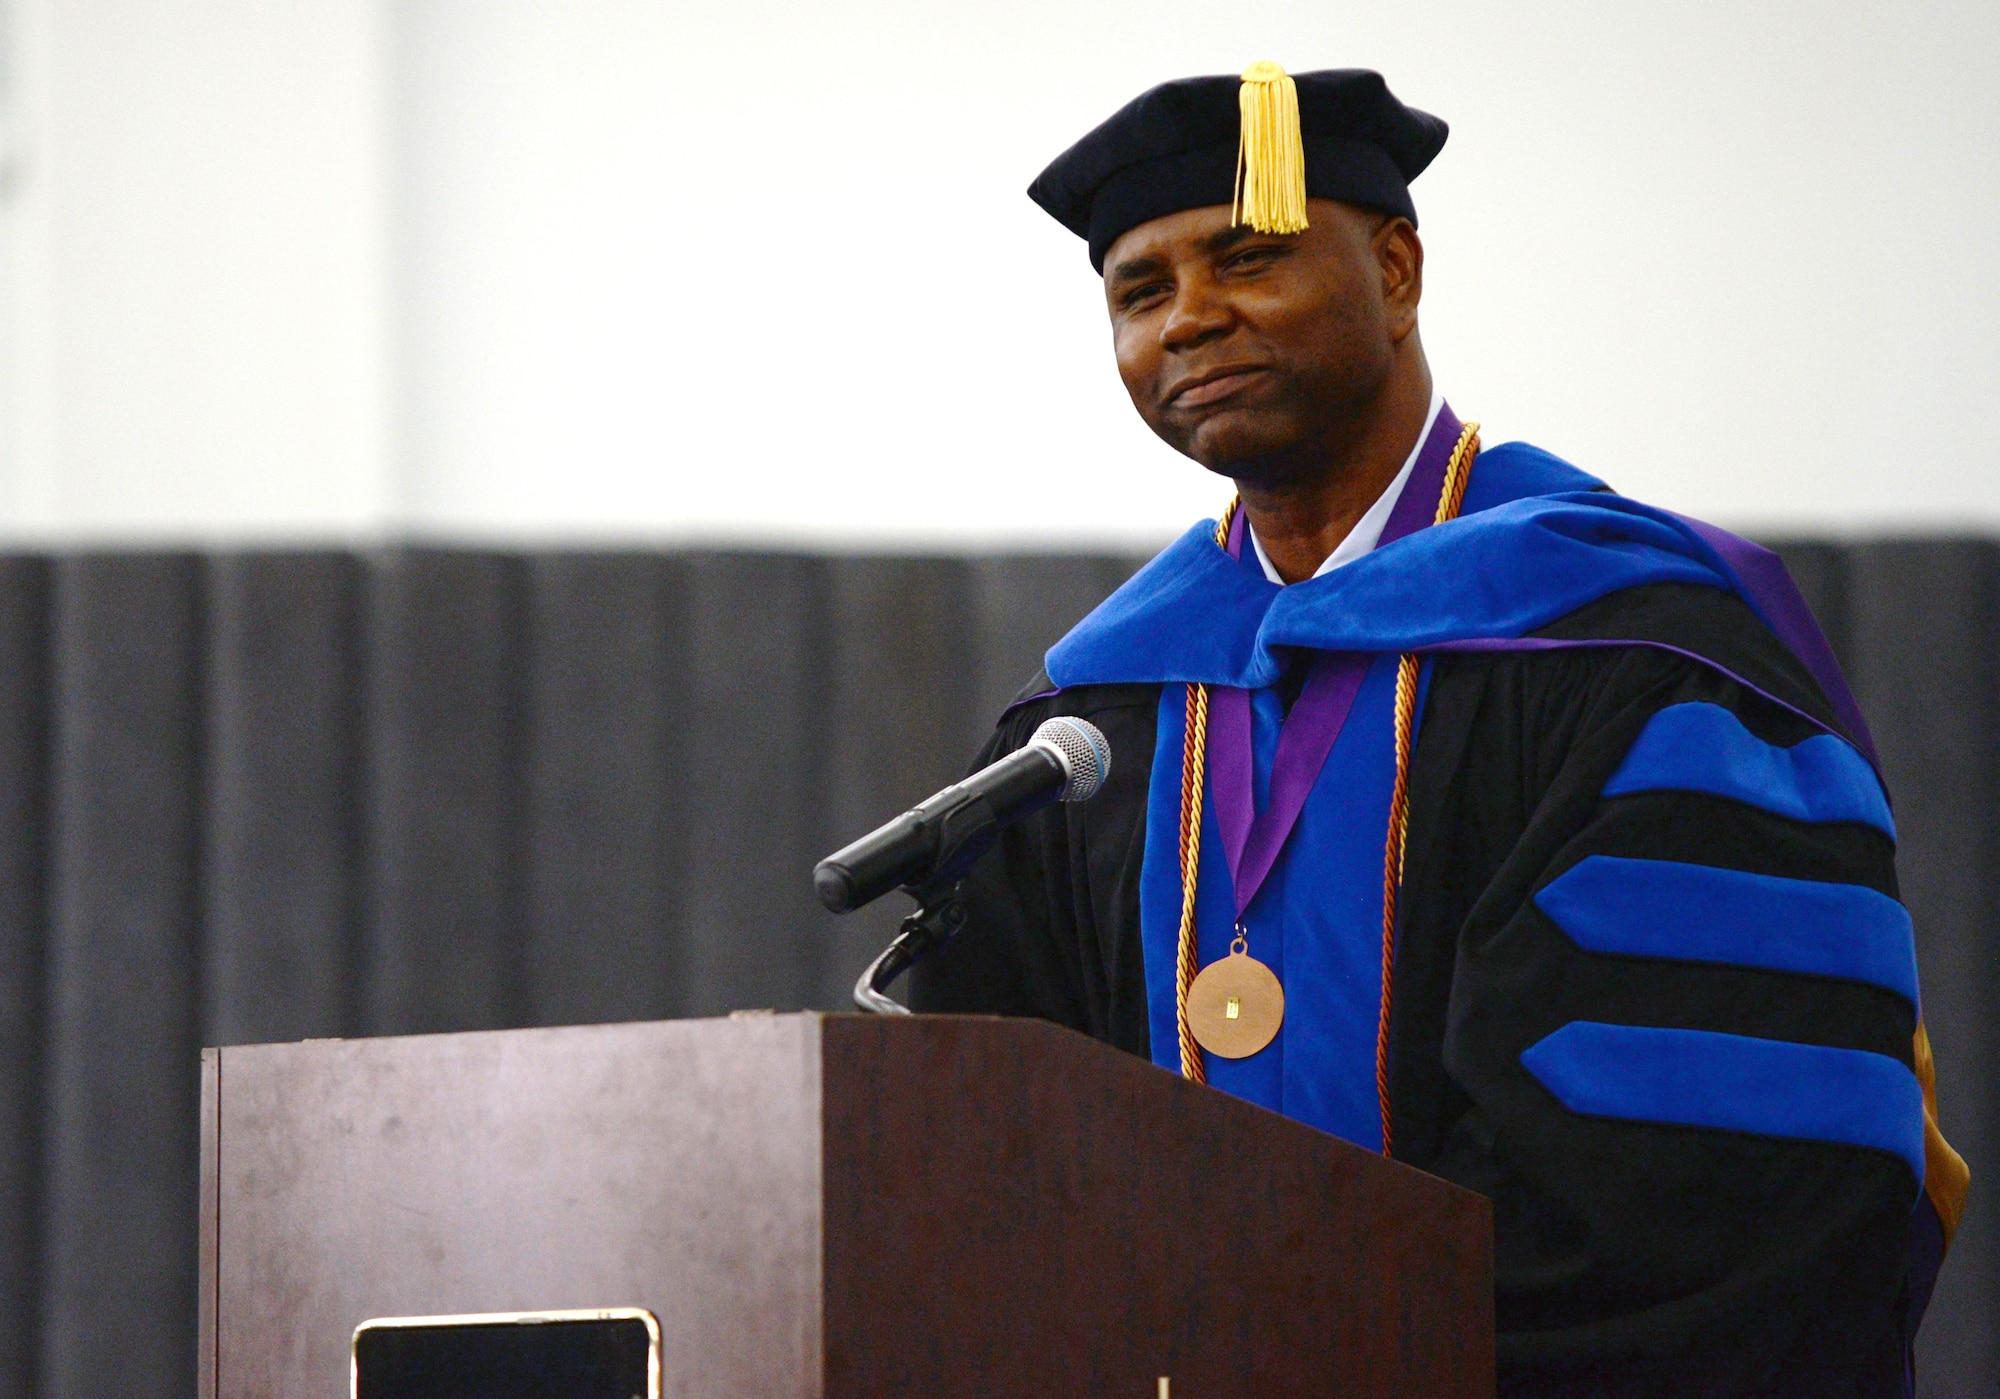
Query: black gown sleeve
{"points": [[1640, 1257]]}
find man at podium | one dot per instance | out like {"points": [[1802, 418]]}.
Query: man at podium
{"points": [[1464, 808]]}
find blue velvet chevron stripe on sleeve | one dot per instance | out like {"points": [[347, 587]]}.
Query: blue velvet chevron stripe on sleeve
{"points": [[1699, 1078], [1698, 913], [1702, 747]]}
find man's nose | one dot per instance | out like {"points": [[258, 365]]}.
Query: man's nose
{"points": [[1197, 314]]}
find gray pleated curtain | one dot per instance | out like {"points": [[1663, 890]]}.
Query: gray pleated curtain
{"points": [[268, 796]]}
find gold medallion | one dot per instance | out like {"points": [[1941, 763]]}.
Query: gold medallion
{"points": [[1234, 1008]]}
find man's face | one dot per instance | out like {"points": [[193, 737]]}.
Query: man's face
{"points": [[1251, 351]]}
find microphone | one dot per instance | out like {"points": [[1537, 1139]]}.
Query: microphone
{"points": [[1067, 759]]}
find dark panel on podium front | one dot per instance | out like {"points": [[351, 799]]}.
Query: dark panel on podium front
{"points": [[552, 1358]]}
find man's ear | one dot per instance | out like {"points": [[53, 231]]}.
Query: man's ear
{"points": [[1399, 253]]}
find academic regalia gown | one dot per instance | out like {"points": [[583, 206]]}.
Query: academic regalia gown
{"points": [[1653, 993]]}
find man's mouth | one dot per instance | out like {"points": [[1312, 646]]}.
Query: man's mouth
{"points": [[1214, 385]]}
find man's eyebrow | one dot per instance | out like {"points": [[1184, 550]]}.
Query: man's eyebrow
{"points": [[1133, 268], [1215, 244], [1223, 239]]}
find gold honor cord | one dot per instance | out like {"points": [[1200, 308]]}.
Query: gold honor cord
{"points": [[1194, 762], [1946, 1178], [1456, 473], [1194, 774]]}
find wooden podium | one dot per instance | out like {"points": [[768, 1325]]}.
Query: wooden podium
{"points": [[839, 1206]]}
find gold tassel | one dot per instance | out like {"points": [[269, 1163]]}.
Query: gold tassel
{"points": [[1270, 153]]}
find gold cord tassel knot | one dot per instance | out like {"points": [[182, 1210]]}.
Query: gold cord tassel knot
{"points": [[1270, 154]]}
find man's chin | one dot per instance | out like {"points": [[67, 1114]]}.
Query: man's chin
{"points": [[1222, 438], [1257, 458]]}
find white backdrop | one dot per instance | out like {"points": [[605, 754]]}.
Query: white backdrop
{"points": [[613, 270]]}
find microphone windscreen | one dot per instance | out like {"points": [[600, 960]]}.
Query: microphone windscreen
{"points": [[1085, 754]]}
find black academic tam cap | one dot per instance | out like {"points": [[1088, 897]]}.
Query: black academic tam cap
{"points": [[1175, 147]]}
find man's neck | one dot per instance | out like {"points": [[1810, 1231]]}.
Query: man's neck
{"points": [[1300, 523]]}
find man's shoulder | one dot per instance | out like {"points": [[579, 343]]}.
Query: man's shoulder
{"points": [[1041, 698], [1127, 716], [1517, 470], [1708, 614], [1704, 626]]}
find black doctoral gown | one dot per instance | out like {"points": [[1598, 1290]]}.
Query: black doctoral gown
{"points": [[1633, 1257]]}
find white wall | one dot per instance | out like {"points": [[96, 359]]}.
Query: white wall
{"points": [[625, 269], [196, 306]]}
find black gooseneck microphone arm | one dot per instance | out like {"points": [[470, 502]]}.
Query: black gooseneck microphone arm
{"points": [[928, 850], [936, 843], [937, 917]]}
